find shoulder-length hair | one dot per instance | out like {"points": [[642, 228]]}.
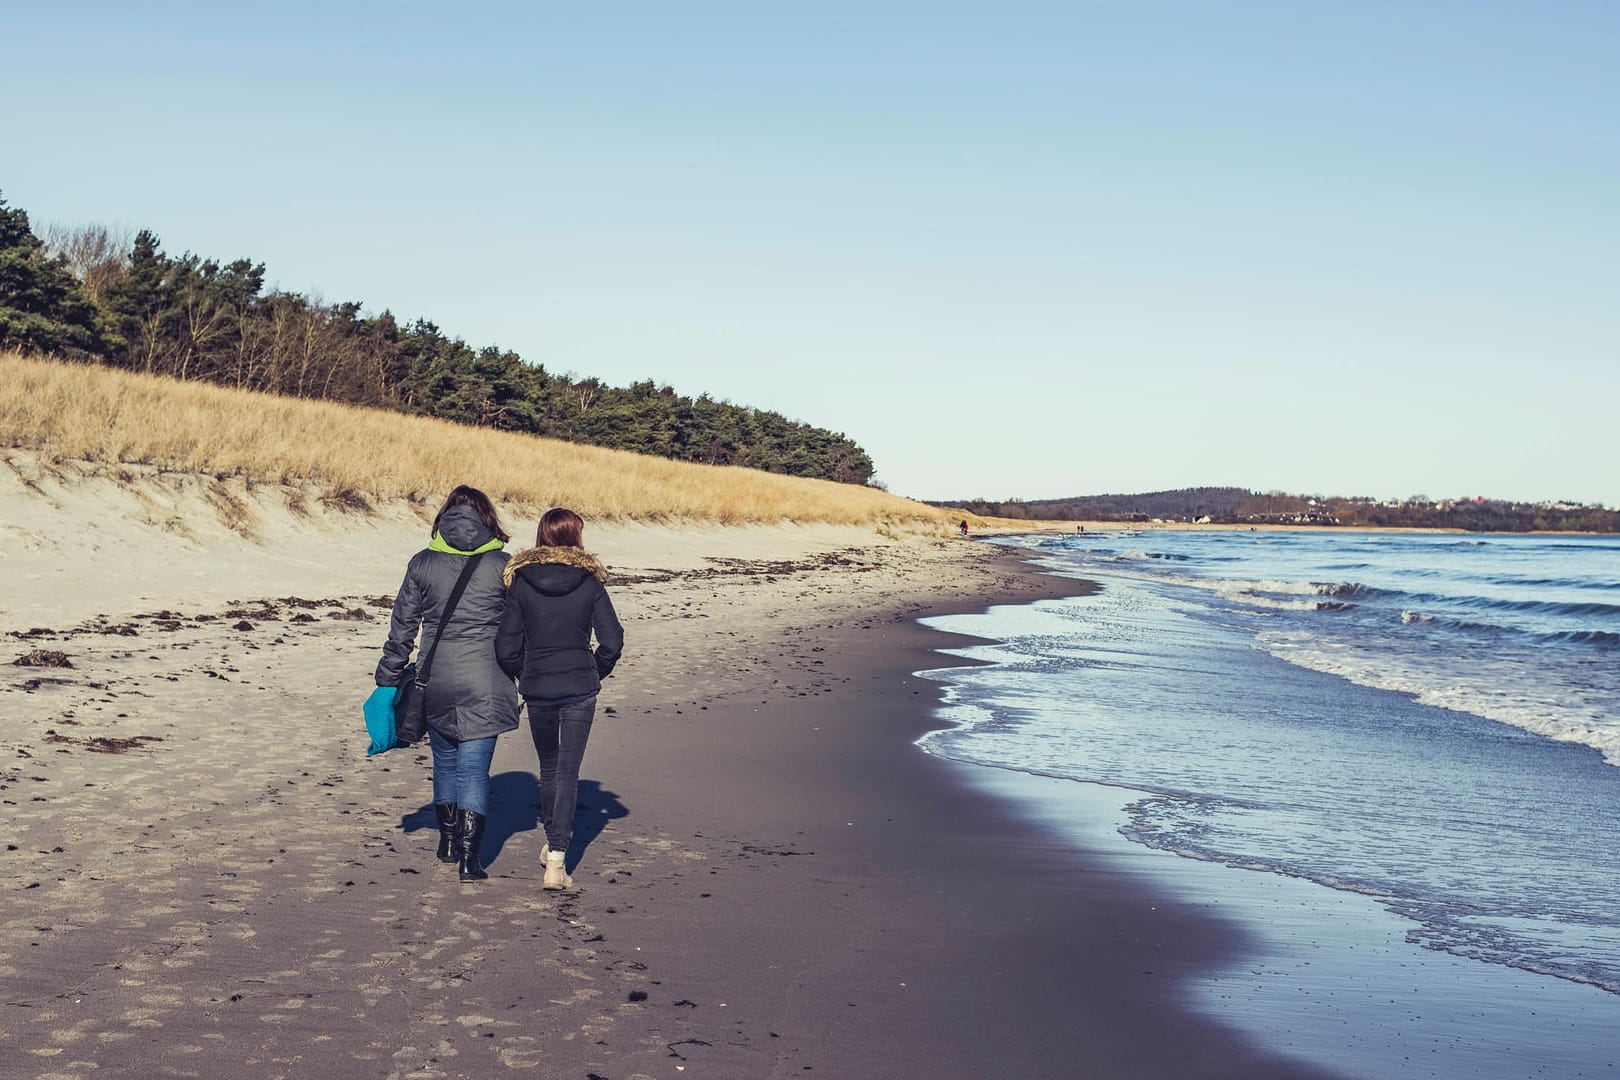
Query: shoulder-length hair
{"points": [[560, 527], [464, 495]]}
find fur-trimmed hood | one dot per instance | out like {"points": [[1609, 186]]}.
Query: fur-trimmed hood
{"points": [[577, 558]]}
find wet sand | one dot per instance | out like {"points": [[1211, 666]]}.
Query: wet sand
{"points": [[206, 877]]}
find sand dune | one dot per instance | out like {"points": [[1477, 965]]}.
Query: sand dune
{"points": [[79, 540]]}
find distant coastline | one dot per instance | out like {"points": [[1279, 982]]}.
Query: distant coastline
{"points": [[1014, 526], [1233, 507]]}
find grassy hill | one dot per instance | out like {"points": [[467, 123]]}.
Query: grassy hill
{"points": [[90, 413]]}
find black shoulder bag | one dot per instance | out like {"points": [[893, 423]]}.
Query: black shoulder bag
{"points": [[410, 702]]}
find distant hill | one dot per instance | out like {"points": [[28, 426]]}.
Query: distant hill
{"points": [[1182, 503], [1233, 505]]}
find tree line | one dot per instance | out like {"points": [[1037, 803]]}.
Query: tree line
{"points": [[1239, 506], [86, 294]]}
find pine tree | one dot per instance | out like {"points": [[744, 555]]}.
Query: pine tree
{"points": [[41, 307], [143, 304]]}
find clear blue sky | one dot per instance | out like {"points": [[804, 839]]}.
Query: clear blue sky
{"points": [[1013, 250]]}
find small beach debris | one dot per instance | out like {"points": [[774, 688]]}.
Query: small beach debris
{"points": [[638, 995], [684, 1042], [43, 658], [103, 744], [243, 625], [29, 686]]}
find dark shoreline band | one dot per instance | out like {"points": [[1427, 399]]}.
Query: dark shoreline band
{"points": [[911, 925]]}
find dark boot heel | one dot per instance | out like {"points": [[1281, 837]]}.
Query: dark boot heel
{"points": [[471, 839], [446, 813]]}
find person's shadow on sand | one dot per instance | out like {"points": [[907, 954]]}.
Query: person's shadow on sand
{"points": [[419, 819], [514, 807], [597, 806]]}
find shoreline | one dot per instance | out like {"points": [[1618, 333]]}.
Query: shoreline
{"points": [[1330, 972], [1321, 973], [1033, 527], [773, 877], [916, 901]]}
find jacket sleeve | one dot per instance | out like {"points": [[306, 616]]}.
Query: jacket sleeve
{"points": [[403, 628], [510, 638], [609, 634]]}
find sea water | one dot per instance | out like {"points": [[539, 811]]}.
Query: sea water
{"points": [[1428, 723]]}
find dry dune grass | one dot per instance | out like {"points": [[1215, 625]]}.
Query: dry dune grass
{"points": [[102, 415]]}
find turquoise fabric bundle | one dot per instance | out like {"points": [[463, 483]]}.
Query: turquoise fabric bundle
{"points": [[379, 710]]}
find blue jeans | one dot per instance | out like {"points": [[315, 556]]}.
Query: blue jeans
{"points": [[560, 732], [461, 771]]}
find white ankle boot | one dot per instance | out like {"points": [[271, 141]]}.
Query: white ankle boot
{"points": [[556, 874], [545, 852]]}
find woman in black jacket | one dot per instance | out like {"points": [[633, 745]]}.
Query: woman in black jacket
{"points": [[469, 699], [554, 600]]}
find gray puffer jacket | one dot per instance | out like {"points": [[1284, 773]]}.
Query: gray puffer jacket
{"points": [[468, 697]]}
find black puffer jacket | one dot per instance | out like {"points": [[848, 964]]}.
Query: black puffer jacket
{"points": [[554, 600], [468, 696]]}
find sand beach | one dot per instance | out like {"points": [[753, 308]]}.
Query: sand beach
{"points": [[206, 876], [1305, 766]]}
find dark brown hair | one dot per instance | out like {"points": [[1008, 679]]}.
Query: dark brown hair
{"points": [[560, 527], [462, 495]]}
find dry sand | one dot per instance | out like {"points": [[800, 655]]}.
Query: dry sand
{"points": [[206, 877]]}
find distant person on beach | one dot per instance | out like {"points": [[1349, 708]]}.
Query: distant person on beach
{"points": [[469, 699], [555, 600], [964, 526]]}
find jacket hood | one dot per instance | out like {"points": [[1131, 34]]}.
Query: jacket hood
{"points": [[555, 571], [463, 532]]}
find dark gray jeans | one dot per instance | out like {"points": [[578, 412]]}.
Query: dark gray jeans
{"points": [[560, 733]]}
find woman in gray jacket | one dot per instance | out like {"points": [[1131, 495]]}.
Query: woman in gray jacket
{"points": [[469, 699]]}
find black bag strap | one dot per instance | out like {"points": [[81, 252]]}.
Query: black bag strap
{"points": [[450, 605]]}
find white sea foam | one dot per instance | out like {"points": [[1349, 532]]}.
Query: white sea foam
{"points": [[1239, 587], [1263, 593], [1274, 594], [1508, 691], [1276, 603]]}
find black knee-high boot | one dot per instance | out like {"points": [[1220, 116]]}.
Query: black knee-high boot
{"points": [[446, 813], [471, 830]]}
